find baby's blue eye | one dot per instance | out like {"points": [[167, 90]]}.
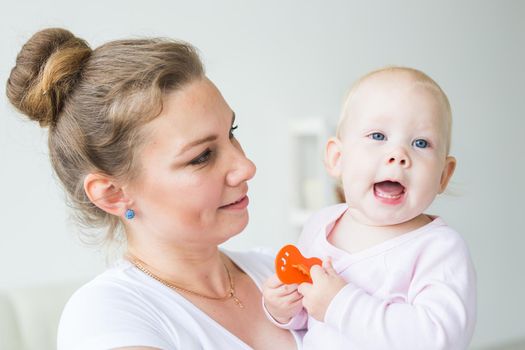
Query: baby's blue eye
{"points": [[420, 143], [377, 136]]}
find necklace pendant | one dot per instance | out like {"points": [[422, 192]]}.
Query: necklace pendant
{"points": [[238, 302], [235, 299]]}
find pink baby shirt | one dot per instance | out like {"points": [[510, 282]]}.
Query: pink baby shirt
{"points": [[415, 291]]}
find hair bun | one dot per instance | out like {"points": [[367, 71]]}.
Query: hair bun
{"points": [[47, 68]]}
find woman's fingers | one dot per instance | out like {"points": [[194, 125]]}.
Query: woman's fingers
{"points": [[275, 288], [273, 282]]}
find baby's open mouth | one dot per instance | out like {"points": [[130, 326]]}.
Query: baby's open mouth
{"points": [[389, 189]]}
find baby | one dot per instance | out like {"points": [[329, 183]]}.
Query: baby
{"points": [[400, 279]]}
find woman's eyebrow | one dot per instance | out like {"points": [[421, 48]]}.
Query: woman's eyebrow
{"points": [[200, 141], [197, 142]]}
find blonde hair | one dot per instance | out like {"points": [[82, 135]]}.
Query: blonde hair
{"points": [[419, 78], [95, 102]]}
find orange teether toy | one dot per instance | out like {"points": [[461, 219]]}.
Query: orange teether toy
{"points": [[292, 267]]}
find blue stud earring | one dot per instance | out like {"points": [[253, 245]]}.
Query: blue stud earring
{"points": [[130, 214]]}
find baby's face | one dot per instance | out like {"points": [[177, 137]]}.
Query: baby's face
{"points": [[393, 159]]}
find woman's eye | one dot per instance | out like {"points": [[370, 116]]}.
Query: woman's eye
{"points": [[202, 158], [420, 143], [232, 129], [377, 136]]}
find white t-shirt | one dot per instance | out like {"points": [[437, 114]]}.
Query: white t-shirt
{"points": [[125, 307]]}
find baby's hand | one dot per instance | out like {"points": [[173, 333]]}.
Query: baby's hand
{"points": [[281, 300], [326, 283]]}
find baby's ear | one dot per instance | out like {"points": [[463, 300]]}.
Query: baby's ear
{"points": [[106, 193], [332, 157], [446, 175]]}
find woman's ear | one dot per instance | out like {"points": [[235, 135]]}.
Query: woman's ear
{"points": [[332, 157], [106, 193], [448, 171]]}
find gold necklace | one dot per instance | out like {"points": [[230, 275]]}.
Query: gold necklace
{"points": [[230, 295]]}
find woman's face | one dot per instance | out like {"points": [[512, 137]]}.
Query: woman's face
{"points": [[192, 182]]}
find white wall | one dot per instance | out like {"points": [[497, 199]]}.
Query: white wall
{"points": [[278, 60]]}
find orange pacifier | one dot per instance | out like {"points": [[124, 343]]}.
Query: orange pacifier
{"points": [[292, 267]]}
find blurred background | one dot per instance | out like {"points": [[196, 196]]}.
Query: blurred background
{"points": [[284, 67]]}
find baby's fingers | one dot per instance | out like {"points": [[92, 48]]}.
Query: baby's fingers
{"points": [[290, 299], [327, 265], [304, 288]]}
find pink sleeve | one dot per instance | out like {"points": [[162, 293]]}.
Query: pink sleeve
{"points": [[439, 312]]}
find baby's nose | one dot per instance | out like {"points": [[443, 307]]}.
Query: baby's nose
{"points": [[399, 157]]}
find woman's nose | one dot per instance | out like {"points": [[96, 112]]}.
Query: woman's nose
{"points": [[241, 169], [399, 157]]}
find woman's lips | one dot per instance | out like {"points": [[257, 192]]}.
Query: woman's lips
{"points": [[239, 204]]}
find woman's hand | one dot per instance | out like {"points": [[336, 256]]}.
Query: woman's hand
{"points": [[281, 300], [326, 283]]}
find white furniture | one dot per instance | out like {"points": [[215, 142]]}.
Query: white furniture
{"points": [[29, 316], [311, 186]]}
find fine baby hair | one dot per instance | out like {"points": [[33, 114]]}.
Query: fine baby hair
{"points": [[419, 77]]}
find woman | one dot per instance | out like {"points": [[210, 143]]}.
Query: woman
{"points": [[143, 141]]}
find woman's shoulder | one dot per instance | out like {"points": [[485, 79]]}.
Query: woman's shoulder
{"points": [[116, 279], [112, 287], [111, 308]]}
